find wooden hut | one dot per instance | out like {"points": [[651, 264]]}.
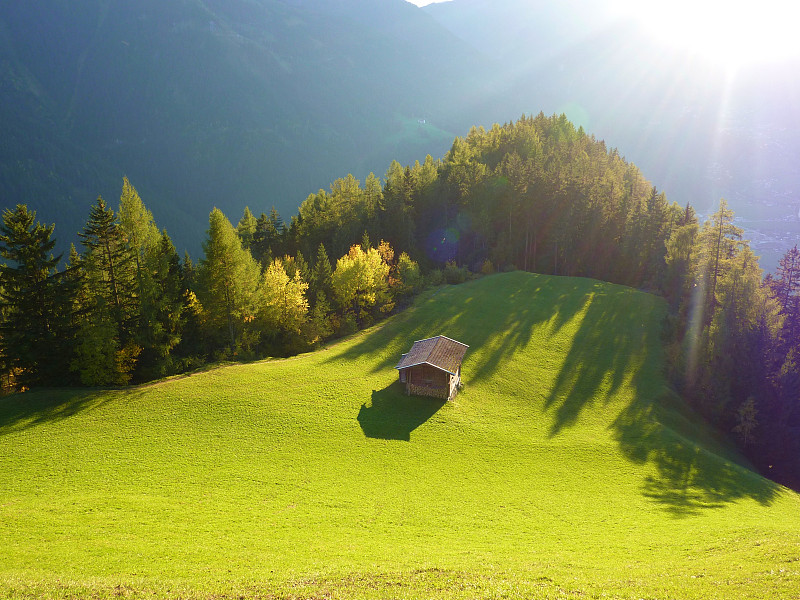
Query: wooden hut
{"points": [[433, 367]]}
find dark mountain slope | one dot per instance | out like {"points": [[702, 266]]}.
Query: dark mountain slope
{"points": [[205, 103]]}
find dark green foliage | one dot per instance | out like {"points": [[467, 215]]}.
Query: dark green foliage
{"points": [[785, 288], [110, 267], [111, 281], [536, 194], [162, 309], [319, 280], [268, 238], [36, 303], [296, 265]]}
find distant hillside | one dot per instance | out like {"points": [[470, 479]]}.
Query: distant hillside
{"points": [[224, 104], [566, 468]]}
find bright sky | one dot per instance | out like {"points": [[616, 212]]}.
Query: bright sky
{"points": [[732, 33]]}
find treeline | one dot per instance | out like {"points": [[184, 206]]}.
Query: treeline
{"points": [[735, 339], [129, 309], [537, 195]]}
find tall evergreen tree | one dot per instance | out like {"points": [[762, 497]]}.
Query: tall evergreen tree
{"points": [[786, 288], [268, 237], [719, 242], [681, 259], [138, 227], [110, 269], [107, 345], [36, 307], [320, 278], [162, 308], [246, 228]]}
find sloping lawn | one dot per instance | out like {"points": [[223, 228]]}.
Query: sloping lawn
{"points": [[566, 468]]}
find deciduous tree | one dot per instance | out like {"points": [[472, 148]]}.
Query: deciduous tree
{"points": [[228, 284]]}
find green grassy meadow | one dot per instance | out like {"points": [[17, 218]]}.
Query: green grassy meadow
{"points": [[566, 468]]}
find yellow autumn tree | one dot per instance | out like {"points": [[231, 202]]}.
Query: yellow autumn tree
{"points": [[360, 283]]}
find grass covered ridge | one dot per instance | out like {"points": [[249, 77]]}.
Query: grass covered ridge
{"points": [[566, 468]]}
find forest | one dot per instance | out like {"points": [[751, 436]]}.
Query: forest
{"points": [[537, 195]]}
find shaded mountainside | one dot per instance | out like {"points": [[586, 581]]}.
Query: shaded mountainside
{"points": [[218, 103], [566, 468]]}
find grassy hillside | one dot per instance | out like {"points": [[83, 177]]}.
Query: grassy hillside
{"points": [[565, 469]]}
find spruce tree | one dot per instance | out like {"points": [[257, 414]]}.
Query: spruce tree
{"points": [[34, 335], [246, 228], [110, 268], [320, 277], [162, 310]]}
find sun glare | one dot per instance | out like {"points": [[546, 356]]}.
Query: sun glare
{"points": [[728, 32]]}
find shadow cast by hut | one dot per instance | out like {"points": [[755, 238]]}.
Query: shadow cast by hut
{"points": [[392, 415]]}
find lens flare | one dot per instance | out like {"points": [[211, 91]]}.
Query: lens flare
{"points": [[442, 244]]}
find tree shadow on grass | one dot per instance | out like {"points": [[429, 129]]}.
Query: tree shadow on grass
{"points": [[616, 348], [392, 415], [591, 373], [494, 316], [688, 477], [23, 411]]}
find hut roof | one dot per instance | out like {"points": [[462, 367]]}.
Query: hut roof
{"points": [[440, 352]]}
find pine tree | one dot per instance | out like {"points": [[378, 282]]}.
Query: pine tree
{"points": [[162, 310], [107, 345], [246, 228], [321, 326], [681, 259], [110, 269], [35, 331], [268, 237], [188, 272], [319, 279], [785, 287], [296, 265]]}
